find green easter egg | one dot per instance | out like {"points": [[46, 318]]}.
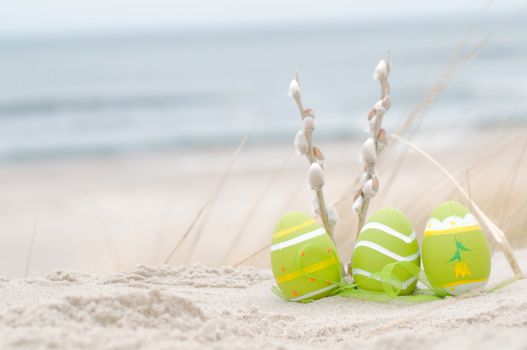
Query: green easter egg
{"points": [[456, 254], [304, 259], [387, 237]]}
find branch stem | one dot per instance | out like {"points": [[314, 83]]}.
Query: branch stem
{"points": [[324, 213], [310, 155], [369, 170]]}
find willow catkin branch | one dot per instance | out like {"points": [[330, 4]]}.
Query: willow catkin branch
{"points": [[373, 145], [496, 232], [305, 138], [454, 67]]}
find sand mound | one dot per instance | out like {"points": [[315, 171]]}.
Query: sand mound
{"points": [[195, 276], [91, 321], [140, 309], [137, 309]]}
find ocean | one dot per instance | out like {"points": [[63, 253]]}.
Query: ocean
{"points": [[83, 95]]}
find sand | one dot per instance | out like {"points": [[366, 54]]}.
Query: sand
{"points": [[195, 306]]}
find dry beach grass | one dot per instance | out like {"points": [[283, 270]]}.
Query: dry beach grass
{"points": [[143, 204]]}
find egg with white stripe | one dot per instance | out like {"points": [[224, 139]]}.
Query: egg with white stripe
{"points": [[304, 259], [456, 255], [387, 237]]}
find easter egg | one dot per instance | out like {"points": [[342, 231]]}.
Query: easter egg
{"points": [[456, 254], [304, 259], [387, 237]]}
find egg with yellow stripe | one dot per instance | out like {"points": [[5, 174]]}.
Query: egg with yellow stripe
{"points": [[304, 259], [456, 256]]}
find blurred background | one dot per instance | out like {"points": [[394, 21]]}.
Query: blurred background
{"points": [[118, 120]]}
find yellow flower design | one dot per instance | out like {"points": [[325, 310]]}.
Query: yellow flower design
{"points": [[462, 269]]}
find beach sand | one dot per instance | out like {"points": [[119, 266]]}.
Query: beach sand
{"points": [[191, 307]]}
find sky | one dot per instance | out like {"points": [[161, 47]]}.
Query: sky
{"points": [[41, 17]]}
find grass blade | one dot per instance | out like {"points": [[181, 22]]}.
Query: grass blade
{"points": [[496, 232], [211, 199]]}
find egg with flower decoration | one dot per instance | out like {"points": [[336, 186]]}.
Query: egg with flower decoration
{"points": [[455, 252], [304, 259]]}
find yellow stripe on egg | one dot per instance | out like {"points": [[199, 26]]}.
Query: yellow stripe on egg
{"points": [[459, 229], [309, 269], [293, 229], [457, 283]]}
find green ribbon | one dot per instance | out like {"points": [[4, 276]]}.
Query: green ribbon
{"points": [[392, 286]]}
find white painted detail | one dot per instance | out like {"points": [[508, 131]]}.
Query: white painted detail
{"points": [[385, 251], [390, 231], [314, 293], [362, 272], [450, 222], [293, 241]]}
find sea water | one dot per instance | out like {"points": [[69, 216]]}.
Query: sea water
{"points": [[71, 96]]}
